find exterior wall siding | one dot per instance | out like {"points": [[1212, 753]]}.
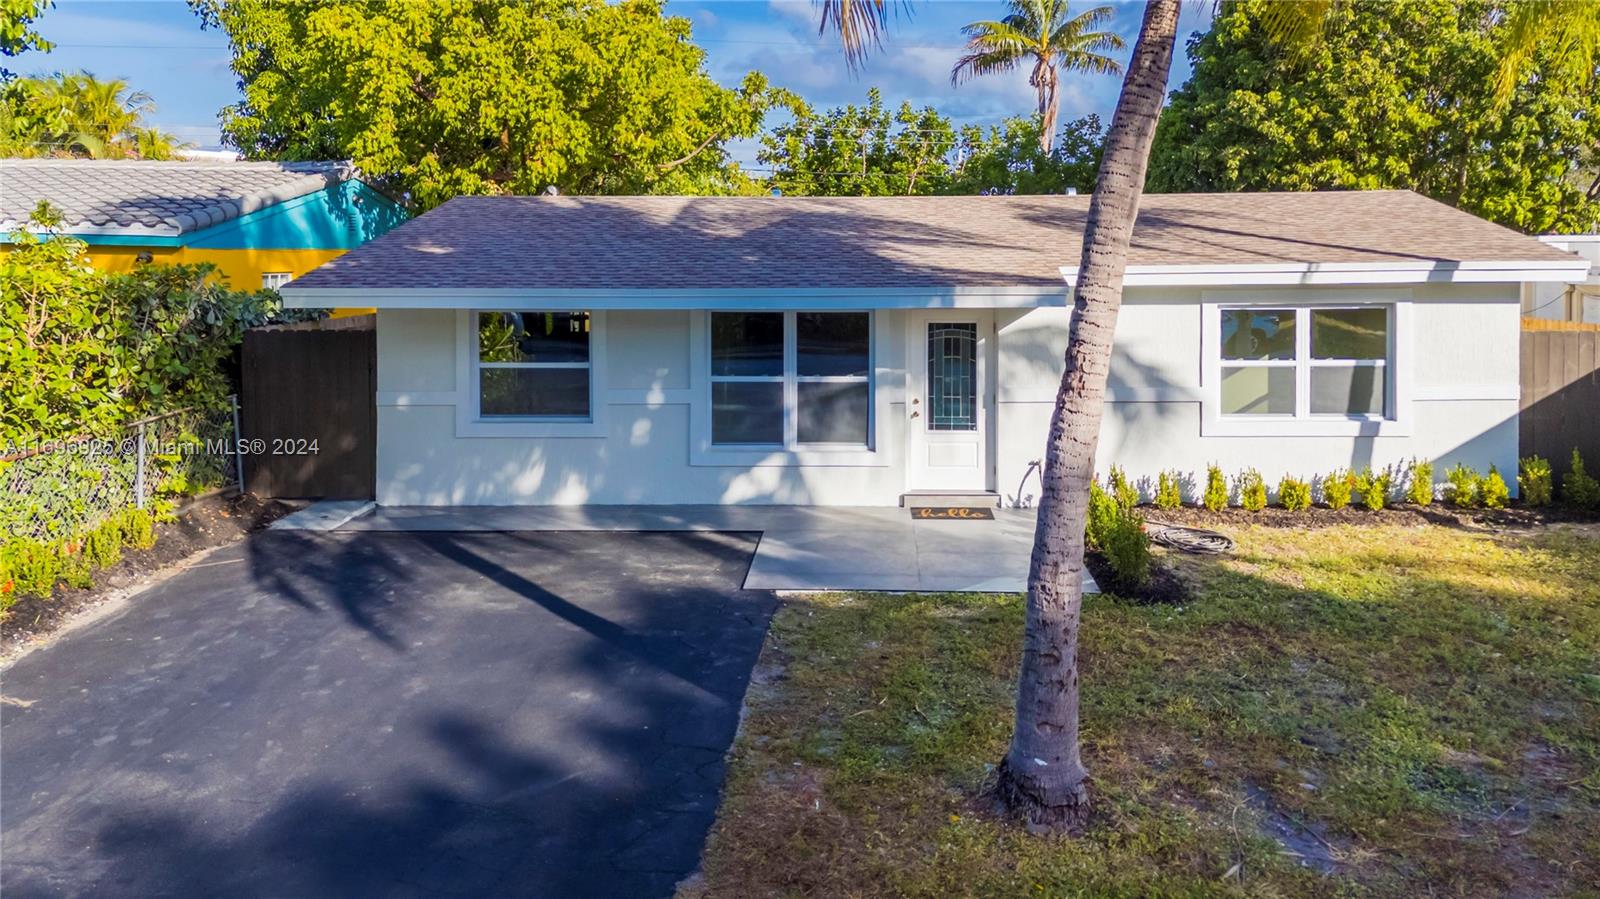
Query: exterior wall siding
{"points": [[1463, 351]]}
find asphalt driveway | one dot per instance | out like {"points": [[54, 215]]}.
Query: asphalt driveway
{"points": [[372, 714]]}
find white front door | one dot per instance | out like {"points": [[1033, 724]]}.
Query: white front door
{"points": [[947, 381]]}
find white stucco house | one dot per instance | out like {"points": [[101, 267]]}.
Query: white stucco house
{"points": [[850, 351]]}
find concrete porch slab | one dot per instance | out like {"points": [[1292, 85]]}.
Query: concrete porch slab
{"points": [[802, 548]]}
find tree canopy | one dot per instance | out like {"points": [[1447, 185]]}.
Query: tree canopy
{"points": [[475, 97], [77, 114], [17, 33], [1395, 95], [869, 150]]}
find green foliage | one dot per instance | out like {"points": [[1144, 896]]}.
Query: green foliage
{"points": [[1535, 482], [1123, 491], [1338, 487], [34, 567], [1294, 495], [1169, 492], [1462, 486], [17, 30], [1373, 487], [77, 114], [1419, 483], [869, 150], [1579, 489], [458, 97], [1492, 490], [83, 351], [137, 528], [1117, 531], [102, 546], [1215, 497], [29, 567], [1252, 490], [1393, 95]]}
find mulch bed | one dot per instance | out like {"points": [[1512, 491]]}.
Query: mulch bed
{"points": [[1401, 514], [206, 522], [1165, 586]]}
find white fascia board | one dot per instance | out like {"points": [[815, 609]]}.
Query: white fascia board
{"points": [[1348, 273], [773, 299]]}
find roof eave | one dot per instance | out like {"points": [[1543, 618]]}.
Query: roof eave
{"points": [[1423, 271]]}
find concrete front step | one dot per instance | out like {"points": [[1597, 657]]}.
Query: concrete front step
{"points": [[926, 499]]}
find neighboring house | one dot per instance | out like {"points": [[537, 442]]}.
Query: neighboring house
{"points": [[261, 223], [1577, 301], [847, 351]]}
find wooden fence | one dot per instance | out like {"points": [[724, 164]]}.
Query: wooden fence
{"points": [[309, 419], [1561, 392]]}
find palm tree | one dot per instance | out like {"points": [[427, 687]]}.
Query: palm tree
{"points": [[80, 115], [1042, 778], [1045, 32]]}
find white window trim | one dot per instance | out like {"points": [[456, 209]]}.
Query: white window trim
{"points": [[275, 280], [1397, 422], [702, 452], [469, 423]]}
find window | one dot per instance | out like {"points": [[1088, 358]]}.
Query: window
{"points": [[533, 365], [1307, 362], [275, 280], [784, 379]]}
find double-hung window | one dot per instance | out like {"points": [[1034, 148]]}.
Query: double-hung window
{"points": [[1306, 363], [791, 379], [533, 365]]}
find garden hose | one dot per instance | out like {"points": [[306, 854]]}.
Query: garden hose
{"points": [[1189, 540]]}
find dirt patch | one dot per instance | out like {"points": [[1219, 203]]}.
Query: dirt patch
{"points": [[1166, 585], [1400, 515], [205, 523]]}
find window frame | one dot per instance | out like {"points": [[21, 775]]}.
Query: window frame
{"points": [[791, 452], [275, 280], [1395, 420], [470, 420]]}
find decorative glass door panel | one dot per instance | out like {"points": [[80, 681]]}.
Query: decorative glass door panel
{"points": [[952, 376]]}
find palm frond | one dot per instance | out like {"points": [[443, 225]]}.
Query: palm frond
{"points": [[980, 63], [1299, 25], [1569, 32], [859, 23], [991, 47]]}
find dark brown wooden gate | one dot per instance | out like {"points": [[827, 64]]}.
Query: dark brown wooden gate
{"points": [[308, 414], [1561, 393]]}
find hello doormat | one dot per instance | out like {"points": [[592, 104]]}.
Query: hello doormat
{"points": [[958, 513]]}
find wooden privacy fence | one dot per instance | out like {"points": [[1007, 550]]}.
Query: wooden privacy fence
{"points": [[308, 420], [1561, 392]]}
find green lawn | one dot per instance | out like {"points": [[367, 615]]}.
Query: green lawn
{"points": [[1416, 710]]}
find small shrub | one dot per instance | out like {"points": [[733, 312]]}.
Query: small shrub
{"points": [[1578, 489], [31, 566], [138, 528], [1462, 491], [1373, 487], [1126, 495], [1102, 516], [1252, 490], [102, 547], [1419, 490], [1535, 481], [1169, 495], [1127, 551], [1336, 489], [1216, 496], [1294, 495], [1492, 490]]}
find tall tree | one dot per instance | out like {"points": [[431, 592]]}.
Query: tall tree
{"points": [[860, 151], [1389, 95], [17, 31], [477, 96], [77, 114], [1045, 33], [1008, 160]]}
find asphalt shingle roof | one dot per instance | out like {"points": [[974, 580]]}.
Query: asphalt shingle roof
{"points": [[634, 243], [165, 199]]}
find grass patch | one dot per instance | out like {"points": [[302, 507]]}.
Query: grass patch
{"points": [[1416, 707]]}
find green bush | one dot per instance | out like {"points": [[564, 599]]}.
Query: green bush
{"points": [[1462, 489], [1252, 490], [1337, 488], [102, 546], [1535, 481], [1294, 495], [1117, 532], [1169, 494], [1419, 487], [34, 567], [1126, 495], [1373, 487], [1578, 489], [1216, 496], [1492, 490], [138, 528], [31, 567]]}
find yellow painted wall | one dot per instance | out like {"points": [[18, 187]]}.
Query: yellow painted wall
{"points": [[243, 268]]}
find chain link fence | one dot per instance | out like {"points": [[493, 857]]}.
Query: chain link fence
{"points": [[60, 488]]}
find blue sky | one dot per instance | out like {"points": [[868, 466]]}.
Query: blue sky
{"points": [[158, 47]]}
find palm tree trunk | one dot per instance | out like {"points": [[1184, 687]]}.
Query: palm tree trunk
{"points": [[1044, 80], [1042, 777]]}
